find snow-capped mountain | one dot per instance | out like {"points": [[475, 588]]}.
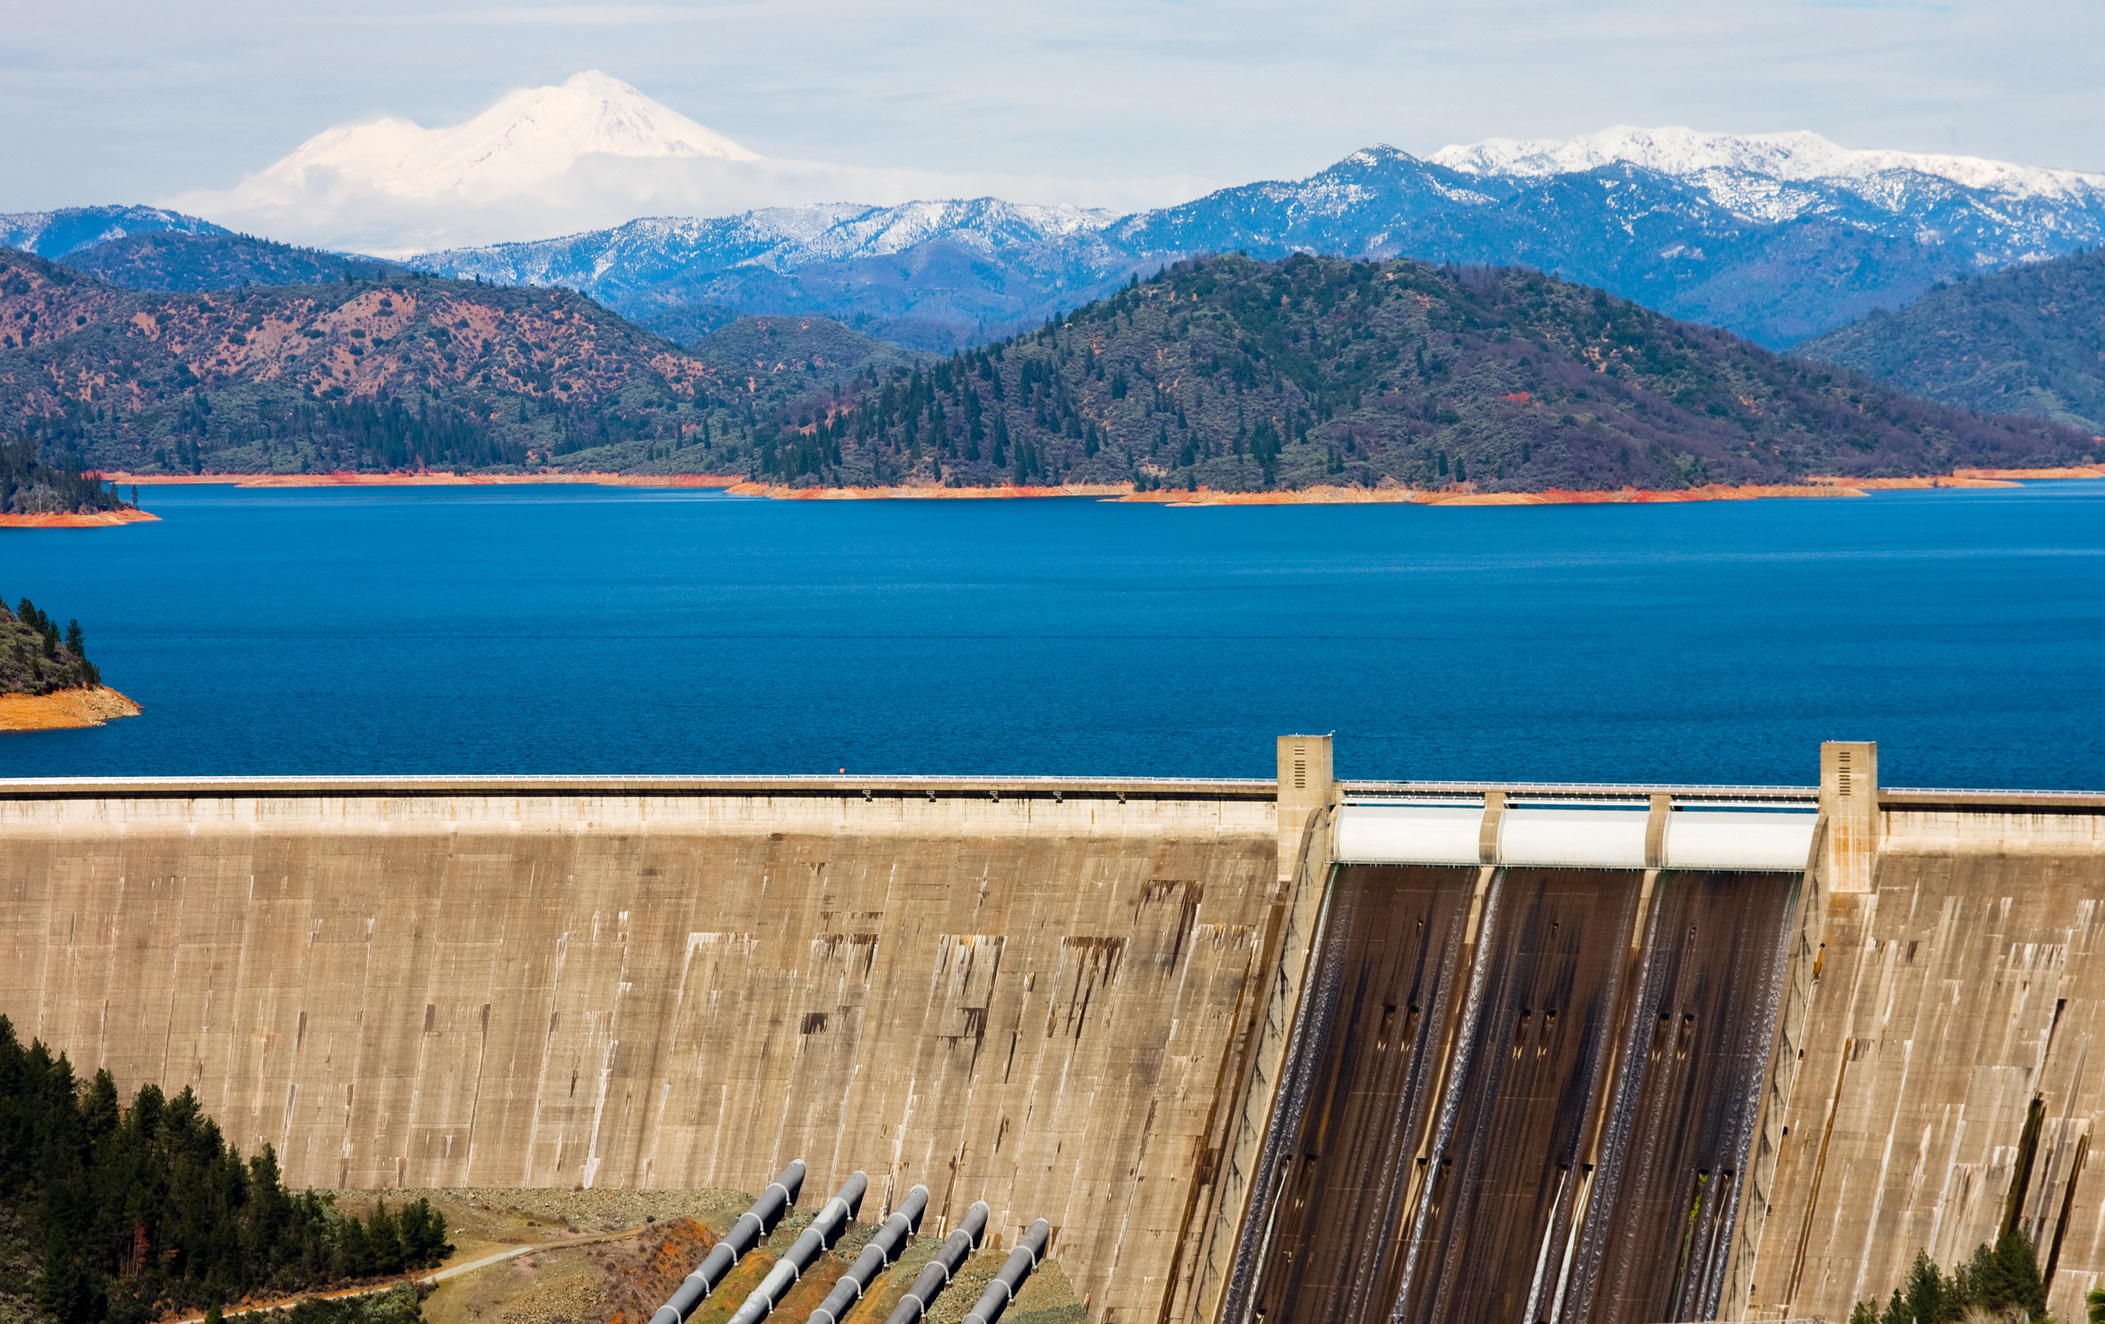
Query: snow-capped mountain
{"points": [[1688, 154], [776, 238], [2005, 212], [960, 266], [588, 154], [57, 233], [1777, 237], [530, 137]]}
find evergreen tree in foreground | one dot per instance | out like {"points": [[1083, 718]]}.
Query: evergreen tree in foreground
{"points": [[32, 660], [2001, 1280], [131, 1212]]}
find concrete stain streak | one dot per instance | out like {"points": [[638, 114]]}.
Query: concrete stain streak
{"points": [[1085, 1002], [458, 990]]}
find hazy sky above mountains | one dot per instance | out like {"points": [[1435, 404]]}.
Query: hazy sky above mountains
{"points": [[1132, 100]]}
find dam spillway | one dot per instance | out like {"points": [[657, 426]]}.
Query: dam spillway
{"points": [[1518, 1091], [1291, 1050]]}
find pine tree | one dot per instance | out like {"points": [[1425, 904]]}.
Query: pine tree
{"points": [[1928, 1299]]}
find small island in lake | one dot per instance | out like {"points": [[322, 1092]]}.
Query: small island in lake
{"points": [[37, 495], [46, 680]]}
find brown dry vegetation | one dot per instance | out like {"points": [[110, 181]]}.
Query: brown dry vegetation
{"points": [[368, 340], [624, 1280], [256, 379]]}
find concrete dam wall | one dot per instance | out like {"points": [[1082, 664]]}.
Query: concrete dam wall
{"points": [[1011, 992], [1292, 1050]]}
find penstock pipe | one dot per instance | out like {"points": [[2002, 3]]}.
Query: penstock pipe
{"points": [[811, 1243], [746, 1233], [1002, 1290], [876, 1257], [937, 1275]]}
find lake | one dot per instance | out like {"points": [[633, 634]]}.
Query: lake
{"points": [[619, 630]]}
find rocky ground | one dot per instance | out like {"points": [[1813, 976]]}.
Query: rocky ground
{"points": [[616, 1279]]}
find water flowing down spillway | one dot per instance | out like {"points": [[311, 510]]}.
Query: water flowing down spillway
{"points": [[1540, 1119], [1366, 1078], [1683, 1117]]}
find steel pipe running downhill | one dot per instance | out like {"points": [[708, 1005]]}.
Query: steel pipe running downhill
{"points": [[752, 1226], [879, 1255], [1002, 1290], [811, 1243], [937, 1275]]}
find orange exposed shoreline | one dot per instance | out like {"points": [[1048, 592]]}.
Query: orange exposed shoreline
{"points": [[2071, 471], [423, 479], [779, 492], [100, 519], [1554, 497], [62, 709], [1124, 492]]}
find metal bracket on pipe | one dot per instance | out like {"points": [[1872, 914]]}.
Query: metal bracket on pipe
{"points": [[1655, 830], [1487, 835]]}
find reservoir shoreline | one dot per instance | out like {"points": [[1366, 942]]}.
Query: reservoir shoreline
{"points": [[736, 485], [100, 519], [62, 710]]}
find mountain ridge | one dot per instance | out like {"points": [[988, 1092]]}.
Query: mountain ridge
{"points": [[1797, 156], [408, 371], [1778, 237], [68, 229], [1227, 373], [1238, 375], [2029, 340], [1826, 256]]}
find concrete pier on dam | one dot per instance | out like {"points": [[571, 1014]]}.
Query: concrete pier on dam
{"points": [[1293, 1049]]}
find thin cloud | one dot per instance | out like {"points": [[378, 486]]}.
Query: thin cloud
{"points": [[134, 99], [589, 154], [571, 16]]}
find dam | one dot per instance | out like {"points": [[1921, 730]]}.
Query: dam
{"points": [[1284, 1049]]}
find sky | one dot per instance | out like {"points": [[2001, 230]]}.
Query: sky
{"points": [[1120, 101]]}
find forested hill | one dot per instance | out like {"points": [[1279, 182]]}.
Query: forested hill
{"points": [[28, 486], [1227, 373], [1235, 374], [396, 373], [171, 260], [2029, 340], [33, 660]]}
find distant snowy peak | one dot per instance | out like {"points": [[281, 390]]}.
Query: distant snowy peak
{"points": [[531, 136], [56, 233], [1793, 157], [777, 238]]}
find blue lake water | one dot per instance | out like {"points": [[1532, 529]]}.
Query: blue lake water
{"points": [[585, 629]]}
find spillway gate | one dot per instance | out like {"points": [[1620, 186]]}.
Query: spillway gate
{"points": [[1523, 1079]]}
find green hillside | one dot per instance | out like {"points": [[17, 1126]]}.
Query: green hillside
{"points": [[2028, 340], [1242, 375], [799, 353], [28, 486], [35, 658], [1226, 373], [394, 372], [169, 260]]}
